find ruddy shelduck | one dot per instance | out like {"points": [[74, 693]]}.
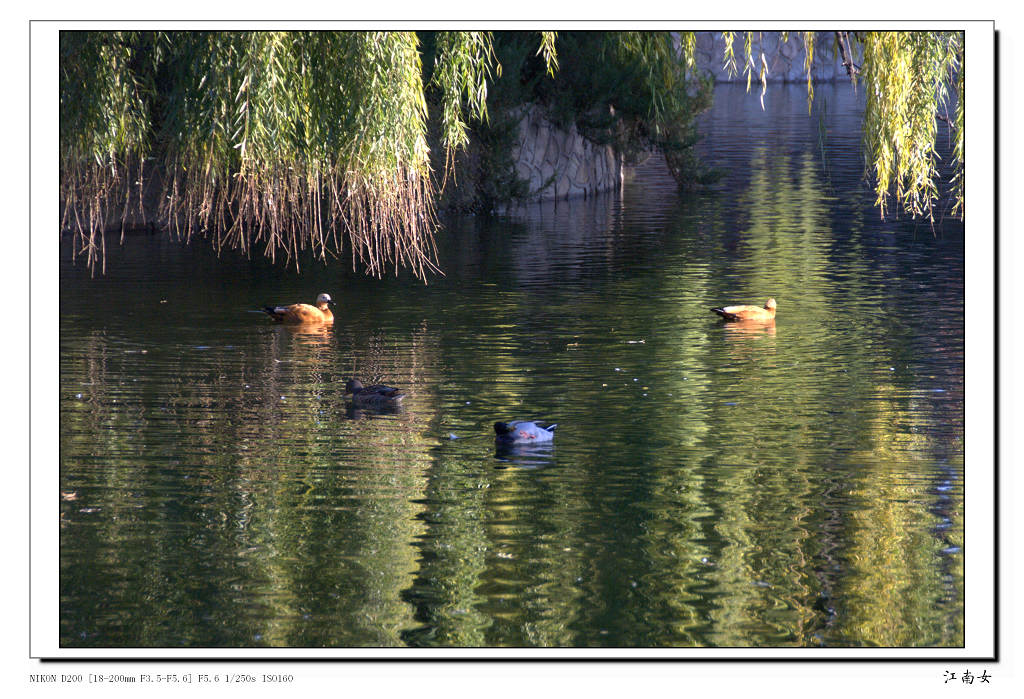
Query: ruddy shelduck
{"points": [[303, 312], [748, 312]]}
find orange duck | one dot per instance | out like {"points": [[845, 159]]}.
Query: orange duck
{"points": [[748, 312], [303, 312]]}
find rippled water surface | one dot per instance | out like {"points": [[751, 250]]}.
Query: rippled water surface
{"points": [[709, 485]]}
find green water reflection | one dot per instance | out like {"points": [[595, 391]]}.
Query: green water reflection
{"points": [[799, 484]]}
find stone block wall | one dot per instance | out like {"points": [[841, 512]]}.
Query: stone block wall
{"points": [[559, 163]]}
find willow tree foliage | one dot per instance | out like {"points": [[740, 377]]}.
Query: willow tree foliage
{"points": [[287, 140], [104, 134], [284, 142], [908, 78]]}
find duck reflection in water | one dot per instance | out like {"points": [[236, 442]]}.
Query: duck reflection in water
{"points": [[356, 412], [749, 340], [307, 335], [525, 455], [742, 329]]}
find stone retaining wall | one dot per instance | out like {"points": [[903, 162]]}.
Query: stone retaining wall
{"points": [[558, 163]]}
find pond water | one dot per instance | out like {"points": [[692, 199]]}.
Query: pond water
{"points": [[709, 485]]}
